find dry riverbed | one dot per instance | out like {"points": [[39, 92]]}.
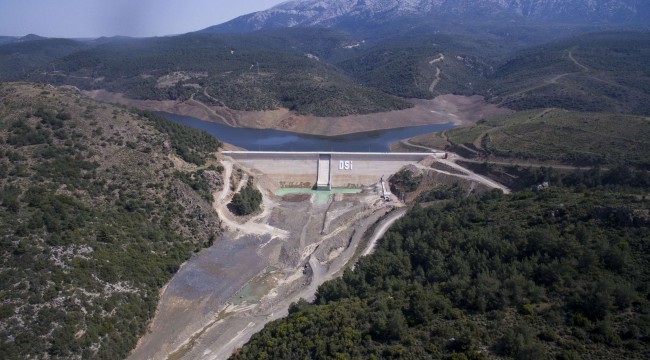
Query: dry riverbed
{"points": [[257, 269], [264, 262]]}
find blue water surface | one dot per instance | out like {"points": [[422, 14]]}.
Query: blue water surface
{"points": [[276, 140]]}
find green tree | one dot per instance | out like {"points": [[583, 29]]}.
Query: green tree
{"points": [[247, 201]]}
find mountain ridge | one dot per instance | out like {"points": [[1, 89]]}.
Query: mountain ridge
{"points": [[340, 12]]}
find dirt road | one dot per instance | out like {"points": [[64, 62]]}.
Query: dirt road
{"points": [[435, 82], [472, 175], [584, 68], [252, 226], [451, 161], [381, 230]]}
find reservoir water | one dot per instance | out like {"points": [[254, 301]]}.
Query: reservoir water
{"points": [[276, 140]]}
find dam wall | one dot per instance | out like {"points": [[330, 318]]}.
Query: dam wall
{"points": [[346, 169]]}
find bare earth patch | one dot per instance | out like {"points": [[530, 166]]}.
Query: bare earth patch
{"points": [[460, 110]]}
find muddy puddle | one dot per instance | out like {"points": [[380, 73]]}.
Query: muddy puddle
{"points": [[258, 287]]}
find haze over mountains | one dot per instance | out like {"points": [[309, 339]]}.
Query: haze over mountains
{"points": [[343, 57], [357, 13]]}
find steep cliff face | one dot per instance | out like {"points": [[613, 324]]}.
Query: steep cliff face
{"points": [[331, 13]]}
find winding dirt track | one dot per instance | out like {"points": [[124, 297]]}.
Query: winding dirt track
{"points": [[584, 68], [451, 161], [435, 82], [250, 227], [381, 230], [474, 176]]}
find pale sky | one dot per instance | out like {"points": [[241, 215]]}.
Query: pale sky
{"points": [[139, 18]]}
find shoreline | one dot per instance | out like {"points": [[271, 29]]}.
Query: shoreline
{"points": [[457, 109]]}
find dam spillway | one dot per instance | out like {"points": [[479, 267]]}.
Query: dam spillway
{"points": [[324, 178], [326, 170]]}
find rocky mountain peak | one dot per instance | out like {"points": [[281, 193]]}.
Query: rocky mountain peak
{"points": [[331, 13]]}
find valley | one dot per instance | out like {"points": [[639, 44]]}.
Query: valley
{"points": [[270, 260], [271, 188]]}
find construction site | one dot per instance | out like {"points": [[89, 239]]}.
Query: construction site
{"points": [[320, 213]]}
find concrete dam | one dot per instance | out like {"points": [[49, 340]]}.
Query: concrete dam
{"points": [[326, 170]]}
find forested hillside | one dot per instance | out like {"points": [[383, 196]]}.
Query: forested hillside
{"points": [[245, 72], [19, 59], [407, 66], [603, 72], [94, 220], [329, 72], [552, 136], [561, 273]]}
